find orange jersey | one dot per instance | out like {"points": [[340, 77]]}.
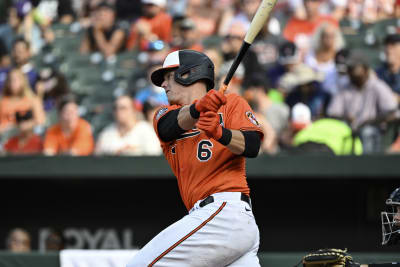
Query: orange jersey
{"points": [[81, 140], [8, 108], [201, 164]]}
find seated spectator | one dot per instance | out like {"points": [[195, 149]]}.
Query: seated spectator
{"points": [[326, 42], [289, 58], [154, 25], [104, 35], [231, 46], [300, 30], [128, 135], [71, 135], [18, 97], [304, 85], [275, 113], [390, 70], [50, 86], [26, 141], [185, 36], [366, 103], [21, 59], [367, 99], [18, 240]]}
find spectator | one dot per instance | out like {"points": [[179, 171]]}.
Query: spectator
{"points": [[326, 42], [304, 85], [154, 25], [275, 114], [18, 240], [21, 57], [50, 86], [185, 35], [104, 35], [26, 141], [55, 240], [367, 99], [366, 103], [128, 135], [289, 58], [390, 70], [300, 30], [268, 114], [18, 97], [71, 135], [231, 46]]}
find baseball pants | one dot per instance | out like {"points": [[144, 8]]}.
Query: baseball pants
{"points": [[221, 233]]}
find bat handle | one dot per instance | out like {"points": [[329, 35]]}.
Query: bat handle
{"points": [[223, 88]]}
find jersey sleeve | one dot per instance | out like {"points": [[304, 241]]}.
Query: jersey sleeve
{"points": [[161, 112], [240, 116]]}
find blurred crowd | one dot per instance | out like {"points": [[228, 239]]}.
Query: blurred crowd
{"points": [[322, 75]]}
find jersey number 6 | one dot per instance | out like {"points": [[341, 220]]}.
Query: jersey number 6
{"points": [[204, 152]]}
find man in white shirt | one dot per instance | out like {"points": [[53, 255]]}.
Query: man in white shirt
{"points": [[127, 135]]}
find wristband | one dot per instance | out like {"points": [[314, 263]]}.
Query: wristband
{"points": [[226, 136], [193, 111]]}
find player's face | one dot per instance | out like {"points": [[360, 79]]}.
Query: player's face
{"points": [[177, 94]]}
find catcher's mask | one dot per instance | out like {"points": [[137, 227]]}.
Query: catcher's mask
{"points": [[197, 65], [391, 221]]}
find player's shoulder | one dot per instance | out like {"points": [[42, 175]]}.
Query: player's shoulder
{"points": [[162, 110], [233, 99]]}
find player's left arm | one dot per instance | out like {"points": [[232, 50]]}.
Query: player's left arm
{"points": [[245, 143], [240, 132]]}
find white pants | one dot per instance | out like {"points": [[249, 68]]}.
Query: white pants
{"points": [[222, 233]]}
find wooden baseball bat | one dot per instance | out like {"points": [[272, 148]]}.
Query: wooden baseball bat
{"points": [[257, 23]]}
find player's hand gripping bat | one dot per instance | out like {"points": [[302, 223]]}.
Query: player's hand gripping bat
{"points": [[257, 23]]}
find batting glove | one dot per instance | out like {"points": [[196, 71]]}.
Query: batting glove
{"points": [[210, 124], [212, 101]]}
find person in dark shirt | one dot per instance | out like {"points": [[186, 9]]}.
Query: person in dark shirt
{"points": [[390, 70], [104, 35]]}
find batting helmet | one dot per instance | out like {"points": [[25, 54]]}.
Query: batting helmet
{"points": [[391, 219], [197, 65]]}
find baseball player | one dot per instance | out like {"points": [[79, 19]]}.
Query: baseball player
{"points": [[391, 219], [205, 136]]}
